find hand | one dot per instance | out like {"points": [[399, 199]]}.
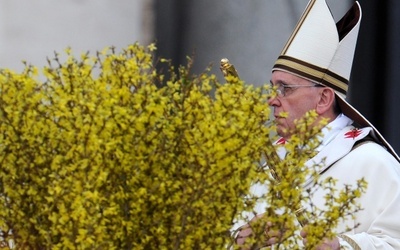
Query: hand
{"points": [[269, 238], [331, 244]]}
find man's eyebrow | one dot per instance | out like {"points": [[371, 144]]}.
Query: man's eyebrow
{"points": [[278, 82]]}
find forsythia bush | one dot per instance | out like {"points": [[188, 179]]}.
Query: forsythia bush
{"points": [[96, 156]]}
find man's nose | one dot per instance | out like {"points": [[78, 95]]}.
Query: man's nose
{"points": [[273, 101]]}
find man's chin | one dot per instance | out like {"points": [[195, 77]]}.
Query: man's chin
{"points": [[282, 131]]}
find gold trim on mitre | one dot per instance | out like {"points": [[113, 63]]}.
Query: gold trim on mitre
{"points": [[300, 22], [313, 73]]}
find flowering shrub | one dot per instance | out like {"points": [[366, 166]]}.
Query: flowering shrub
{"points": [[96, 156]]}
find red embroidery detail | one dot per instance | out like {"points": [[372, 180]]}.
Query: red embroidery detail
{"points": [[281, 141], [353, 133]]}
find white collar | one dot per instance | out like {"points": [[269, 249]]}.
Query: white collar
{"points": [[330, 131]]}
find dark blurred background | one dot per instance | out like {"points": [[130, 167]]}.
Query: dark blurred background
{"points": [[376, 68], [252, 33]]}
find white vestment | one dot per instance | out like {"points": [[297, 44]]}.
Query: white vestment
{"points": [[379, 219]]}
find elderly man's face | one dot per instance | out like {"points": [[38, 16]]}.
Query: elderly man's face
{"points": [[294, 101]]}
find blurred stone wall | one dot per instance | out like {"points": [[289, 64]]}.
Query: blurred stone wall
{"points": [[251, 34], [31, 30]]}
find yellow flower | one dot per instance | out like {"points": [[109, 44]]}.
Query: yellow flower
{"points": [[107, 153]]}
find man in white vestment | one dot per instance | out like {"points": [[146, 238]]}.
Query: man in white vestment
{"points": [[312, 73]]}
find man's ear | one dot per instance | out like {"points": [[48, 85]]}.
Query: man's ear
{"points": [[326, 101]]}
